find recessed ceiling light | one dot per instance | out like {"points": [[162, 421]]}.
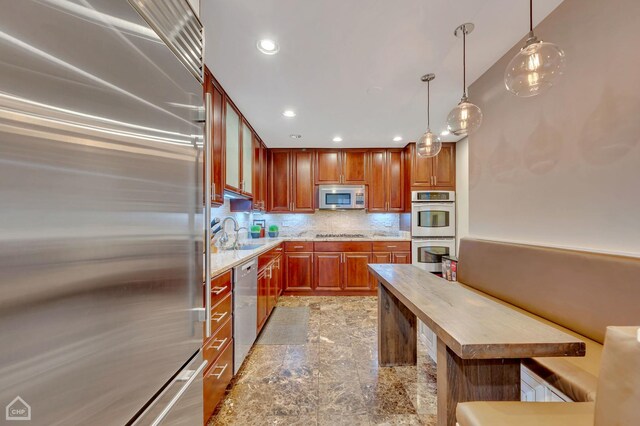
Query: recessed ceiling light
{"points": [[268, 46], [294, 136], [337, 139], [397, 139], [445, 133], [289, 113]]}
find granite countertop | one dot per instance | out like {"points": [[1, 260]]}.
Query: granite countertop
{"points": [[225, 260]]}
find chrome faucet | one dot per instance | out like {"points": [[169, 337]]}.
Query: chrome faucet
{"points": [[224, 238]]}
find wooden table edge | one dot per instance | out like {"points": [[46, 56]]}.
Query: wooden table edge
{"points": [[576, 348]]}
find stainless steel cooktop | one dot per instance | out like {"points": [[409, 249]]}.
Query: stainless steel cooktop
{"points": [[341, 236]]}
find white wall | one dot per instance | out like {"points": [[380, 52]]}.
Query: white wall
{"points": [[462, 190], [563, 168]]}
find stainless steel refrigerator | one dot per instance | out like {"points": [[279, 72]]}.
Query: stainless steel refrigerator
{"points": [[101, 212]]}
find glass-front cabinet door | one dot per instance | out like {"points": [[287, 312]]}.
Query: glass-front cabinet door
{"points": [[232, 147], [246, 185]]}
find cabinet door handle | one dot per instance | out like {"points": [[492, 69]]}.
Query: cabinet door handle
{"points": [[217, 290], [220, 345], [435, 180], [219, 316], [217, 376]]}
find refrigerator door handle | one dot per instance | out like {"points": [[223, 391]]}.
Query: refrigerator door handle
{"points": [[178, 395]]}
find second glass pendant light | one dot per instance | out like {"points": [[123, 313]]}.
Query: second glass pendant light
{"points": [[466, 117], [429, 144]]}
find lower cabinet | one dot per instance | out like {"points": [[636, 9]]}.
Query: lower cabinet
{"points": [[328, 271], [217, 350], [263, 290], [356, 272], [338, 267], [216, 378], [298, 272], [401, 257], [269, 283]]}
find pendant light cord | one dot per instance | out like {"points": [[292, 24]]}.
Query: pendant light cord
{"points": [[531, 16], [428, 105], [464, 62]]}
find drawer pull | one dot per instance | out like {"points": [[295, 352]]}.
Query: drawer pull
{"points": [[220, 345], [297, 247], [279, 249], [217, 376], [392, 246], [220, 316], [217, 290]]}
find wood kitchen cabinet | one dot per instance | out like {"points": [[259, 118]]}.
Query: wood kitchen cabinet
{"points": [[239, 151], [438, 173], [291, 188], [341, 166], [216, 135], [259, 175], [356, 271], [389, 252], [328, 271], [247, 154], [298, 272], [386, 180], [263, 293], [232, 135], [403, 257]]}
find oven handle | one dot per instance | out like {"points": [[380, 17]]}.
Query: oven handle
{"points": [[428, 206]]}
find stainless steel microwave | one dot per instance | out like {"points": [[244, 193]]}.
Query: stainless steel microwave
{"points": [[341, 197]]}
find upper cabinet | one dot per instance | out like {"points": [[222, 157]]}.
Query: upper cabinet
{"points": [[246, 169], [437, 172], [291, 187], [232, 147], [216, 135], [341, 166], [239, 152], [386, 180], [259, 175]]}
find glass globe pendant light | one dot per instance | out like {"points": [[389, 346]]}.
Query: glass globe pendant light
{"points": [[535, 67], [428, 145], [466, 117]]}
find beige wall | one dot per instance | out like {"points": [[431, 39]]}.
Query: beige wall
{"points": [[563, 168], [462, 189]]}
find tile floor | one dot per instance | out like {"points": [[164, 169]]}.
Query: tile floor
{"points": [[334, 378]]}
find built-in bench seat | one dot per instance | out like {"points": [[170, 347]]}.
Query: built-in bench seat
{"points": [[578, 292]]}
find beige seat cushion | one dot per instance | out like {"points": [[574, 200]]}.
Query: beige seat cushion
{"points": [[576, 377], [525, 413], [618, 401]]}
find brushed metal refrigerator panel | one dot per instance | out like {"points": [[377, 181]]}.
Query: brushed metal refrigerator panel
{"points": [[101, 211]]}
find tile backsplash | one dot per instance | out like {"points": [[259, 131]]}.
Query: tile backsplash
{"points": [[321, 221]]}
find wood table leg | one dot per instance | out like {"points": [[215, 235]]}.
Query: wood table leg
{"points": [[461, 380], [397, 332]]}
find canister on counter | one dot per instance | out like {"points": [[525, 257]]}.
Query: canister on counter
{"points": [[450, 268]]}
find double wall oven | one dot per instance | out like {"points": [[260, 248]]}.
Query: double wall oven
{"points": [[433, 228]]}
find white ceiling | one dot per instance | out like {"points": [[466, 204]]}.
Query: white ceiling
{"points": [[352, 67]]}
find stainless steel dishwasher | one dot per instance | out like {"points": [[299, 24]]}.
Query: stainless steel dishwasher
{"points": [[245, 310]]}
